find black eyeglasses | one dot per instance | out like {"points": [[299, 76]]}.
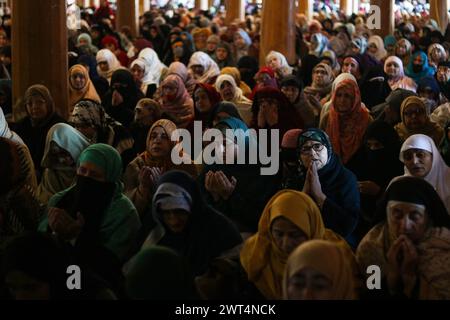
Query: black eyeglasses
{"points": [[317, 147]]}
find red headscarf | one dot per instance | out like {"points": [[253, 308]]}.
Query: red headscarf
{"points": [[355, 121]]}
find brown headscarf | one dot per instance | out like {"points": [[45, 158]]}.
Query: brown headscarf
{"points": [[43, 92], [431, 129], [88, 92]]}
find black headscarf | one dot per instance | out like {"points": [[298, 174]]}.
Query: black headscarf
{"points": [[419, 191], [248, 66], [208, 232]]}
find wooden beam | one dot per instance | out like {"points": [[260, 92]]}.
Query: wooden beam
{"points": [[306, 7], [39, 49], [278, 30], [127, 15], [235, 10], [387, 17], [439, 12]]}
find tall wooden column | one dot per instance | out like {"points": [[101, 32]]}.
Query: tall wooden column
{"points": [[439, 12], [127, 15], [201, 4], [39, 49], [278, 29], [346, 6], [387, 17], [306, 7], [235, 10]]}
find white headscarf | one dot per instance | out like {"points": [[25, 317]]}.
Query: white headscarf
{"points": [[286, 69], [401, 81], [381, 52], [153, 66], [105, 55], [439, 175], [5, 132], [211, 68]]}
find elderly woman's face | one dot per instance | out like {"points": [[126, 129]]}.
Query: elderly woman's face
{"points": [[160, 144], [239, 42], [406, 218], [37, 108], [314, 151], [393, 69], [286, 235], [274, 63], [309, 284], [414, 117], [227, 91], [343, 100], [443, 74], [418, 162]]}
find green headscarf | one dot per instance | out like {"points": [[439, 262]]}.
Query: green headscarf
{"points": [[106, 157]]}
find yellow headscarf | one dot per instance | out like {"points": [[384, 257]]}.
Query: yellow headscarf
{"points": [[263, 261], [327, 258], [88, 92]]}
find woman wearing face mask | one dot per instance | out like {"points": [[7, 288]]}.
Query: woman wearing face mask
{"points": [[62, 149], [122, 97], [410, 243], [107, 63], [323, 177], [393, 67], [378, 166], [418, 67], [181, 220], [319, 270], [94, 211], [41, 116], [346, 121], [436, 54], [416, 119], [80, 86], [289, 219], [229, 91], [423, 160], [203, 68], [176, 101], [179, 52], [143, 172]]}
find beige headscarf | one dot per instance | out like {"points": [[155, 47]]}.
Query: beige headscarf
{"points": [[88, 92]]}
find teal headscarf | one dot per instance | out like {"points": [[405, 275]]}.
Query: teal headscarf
{"points": [[389, 41], [427, 71], [105, 157]]}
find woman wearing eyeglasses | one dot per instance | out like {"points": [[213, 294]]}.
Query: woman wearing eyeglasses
{"points": [[416, 120], [323, 177]]}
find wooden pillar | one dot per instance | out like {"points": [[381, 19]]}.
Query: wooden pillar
{"points": [[346, 6], [439, 12], [39, 49], [127, 15], [386, 17], [306, 7], [201, 4], [278, 30], [141, 7], [235, 10]]}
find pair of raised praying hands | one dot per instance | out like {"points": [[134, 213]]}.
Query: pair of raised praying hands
{"points": [[219, 186], [148, 178], [312, 186], [63, 225], [267, 116], [402, 259]]}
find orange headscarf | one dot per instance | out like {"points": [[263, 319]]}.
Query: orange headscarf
{"points": [[263, 261], [88, 92], [347, 141]]}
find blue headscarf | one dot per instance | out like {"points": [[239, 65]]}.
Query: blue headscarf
{"points": [[426, 69]]}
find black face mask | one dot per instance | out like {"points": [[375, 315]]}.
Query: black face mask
{"points": [[92, 197], [417, 68]]}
